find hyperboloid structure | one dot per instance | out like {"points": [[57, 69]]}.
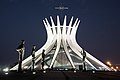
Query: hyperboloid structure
{"points": [[61, 48]]}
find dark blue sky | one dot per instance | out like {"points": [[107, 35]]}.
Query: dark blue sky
{"points": [[98, 33]]}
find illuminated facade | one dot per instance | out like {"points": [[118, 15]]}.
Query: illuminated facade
{"points": [[61, 48]]}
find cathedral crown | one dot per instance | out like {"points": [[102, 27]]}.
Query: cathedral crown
{"points": [[61, 28]]}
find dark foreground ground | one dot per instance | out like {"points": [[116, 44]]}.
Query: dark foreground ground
{"points": [[61, 75]]}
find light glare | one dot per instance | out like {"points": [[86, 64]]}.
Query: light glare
{"points": [[6, 69]]}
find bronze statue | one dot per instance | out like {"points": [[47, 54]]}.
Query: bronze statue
{"points": [[84, 56], [33, 58], [20, 50], [43, 59]]}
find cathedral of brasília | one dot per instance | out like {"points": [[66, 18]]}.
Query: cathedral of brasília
{"points": [[62, 50]]}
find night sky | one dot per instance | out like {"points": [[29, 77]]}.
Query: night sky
{"points": [[98, 32]]}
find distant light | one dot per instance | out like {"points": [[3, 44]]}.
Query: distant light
{"points": [[34, 73], [44, 71], [74, 71], [93, 71], [45, 67], [112, 67], [6, 69], [66, 69], [115, 70], [6, 73], [69, 50], [117, 67], [109, 63]]}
